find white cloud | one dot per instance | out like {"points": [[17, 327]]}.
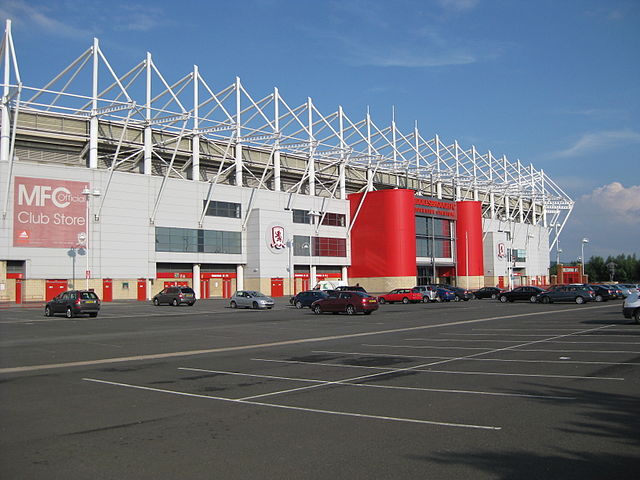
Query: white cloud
{"points": [[597, 141], [459, 5], [38, 17], [616, 201]]}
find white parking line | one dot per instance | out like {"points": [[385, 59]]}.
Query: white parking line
{"points": [[299, 409], [454, 372], [372, 354], [535, 335], [435, 347], [366, 385], [511, 341]]}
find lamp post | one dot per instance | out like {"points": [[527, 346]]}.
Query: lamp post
{"points": [[584, 240], [87, 196]]}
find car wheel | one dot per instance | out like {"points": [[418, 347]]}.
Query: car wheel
{"points": [[503, 298], [175, 302], [299, 305], [493, 296], [317, 310], [456, 299], [233, 304], [47, 311], [255, 305], [69, 312], [405, 300], [350, 310], [533, 299], [599, 298], [636, 315], [381, 301], [579, 300], [93, 314], [439, 299], [156, 302], [546, 300]]}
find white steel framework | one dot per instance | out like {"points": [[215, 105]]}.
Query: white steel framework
{"points": [[140, 122]]}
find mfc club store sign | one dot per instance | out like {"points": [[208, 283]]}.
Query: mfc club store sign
{"points": [[48, 213]]}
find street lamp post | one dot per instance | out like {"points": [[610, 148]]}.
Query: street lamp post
{"points": [[584, 240], [87, 196]]}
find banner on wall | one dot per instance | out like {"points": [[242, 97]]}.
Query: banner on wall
{"points": [[48, 213]]}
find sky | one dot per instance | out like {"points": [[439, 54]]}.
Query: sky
{"points": [[555, 84]]}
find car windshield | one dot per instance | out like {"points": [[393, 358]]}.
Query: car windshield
{"points": [[256, 294]]}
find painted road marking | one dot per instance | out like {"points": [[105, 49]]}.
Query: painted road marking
{"points": [[299, 409], [435, 347], [366, 385]]}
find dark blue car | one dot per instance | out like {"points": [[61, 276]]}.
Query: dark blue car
{"points": [[305, 299]]}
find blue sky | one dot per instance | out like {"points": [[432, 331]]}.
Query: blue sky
{"points": [[552, 83]]}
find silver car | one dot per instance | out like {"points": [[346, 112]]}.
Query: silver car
{"points": [[250, 299]]}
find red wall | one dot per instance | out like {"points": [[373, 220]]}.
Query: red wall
{"points": [[383, 238], [469, 239]]}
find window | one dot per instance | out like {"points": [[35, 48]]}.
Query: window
{"points": [[321, 246], [188, 240], [223, 209], [433, 237], [301, 216], [334, 219]]}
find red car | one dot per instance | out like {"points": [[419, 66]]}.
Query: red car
{"points": [[404, 295], [347, 302]]}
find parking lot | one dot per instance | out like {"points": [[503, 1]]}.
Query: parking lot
{"points": [[475, 389]]}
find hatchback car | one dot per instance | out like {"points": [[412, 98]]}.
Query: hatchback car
{"points": [[429, 292], [445, 295], [521, 293], [347, 302], [567, 293], [602, 292], [460, 293], [305, 299], [488, 292], [175, 296], [404, 295], [250, 299], [72, 303]]}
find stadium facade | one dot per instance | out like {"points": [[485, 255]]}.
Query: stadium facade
{"points": [[128, 183]]}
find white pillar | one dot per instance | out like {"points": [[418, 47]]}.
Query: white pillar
{"points": [[312, 276], [239, 277], [5, 132], [276, 153], [238, 150], [345, 277], [195, 141], [196, 280], [93, 123], [148, 139]]}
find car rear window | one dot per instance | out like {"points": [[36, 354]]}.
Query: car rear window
{"points": [[88, 295], [187, 290]]}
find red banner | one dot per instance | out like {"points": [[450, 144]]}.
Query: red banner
{"points": [[48, 213]]}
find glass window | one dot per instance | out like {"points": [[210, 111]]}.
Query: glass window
{"points": [[334, 219], [301, 216], [197, 241], [223, 209], [330, 247]]}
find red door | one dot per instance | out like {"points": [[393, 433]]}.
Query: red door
{"points": [[226, 288], [54, 287], [277, 287], [18, 290], [142, 289], [204, 288], [107, 290]]}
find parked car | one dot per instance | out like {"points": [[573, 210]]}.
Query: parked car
{"points": [[175, 296], [460, 293], [625, 289], [567, 293], [250, 299], [347, 302], [488, 292], [305, 299], [72, 303], [603, 293], [429, 292], [404, 295], [355, 288], [445, 295], [529, 293], [631, 307], [617, 293]]}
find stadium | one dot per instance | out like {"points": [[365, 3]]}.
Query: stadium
{"points": [[129, 182]]}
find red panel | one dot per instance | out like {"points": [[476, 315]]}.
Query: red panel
{"points": [[383, 239], [54, 287], [469, 253], [107, 290], [277, 287], [142, 289]]}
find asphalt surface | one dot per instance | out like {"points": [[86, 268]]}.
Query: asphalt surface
{"points": [[473, 390]]}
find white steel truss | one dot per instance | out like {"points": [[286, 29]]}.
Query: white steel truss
{"points": [[140, 122]]}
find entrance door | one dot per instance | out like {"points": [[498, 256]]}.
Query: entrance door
{"points": [[204, 288], [226, 288], [18, 290], [142, 289], [54, 287], [277, 287], [107, 290]]}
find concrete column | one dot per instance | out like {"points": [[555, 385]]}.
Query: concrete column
{"points": [[239, 277], [345, 277], [196, 279]]}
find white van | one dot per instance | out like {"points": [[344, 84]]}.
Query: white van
{"points": [[631, 307]]}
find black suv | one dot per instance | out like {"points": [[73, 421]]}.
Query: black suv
{"points": [[72, 303], [175, 296], [305, 299]]}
